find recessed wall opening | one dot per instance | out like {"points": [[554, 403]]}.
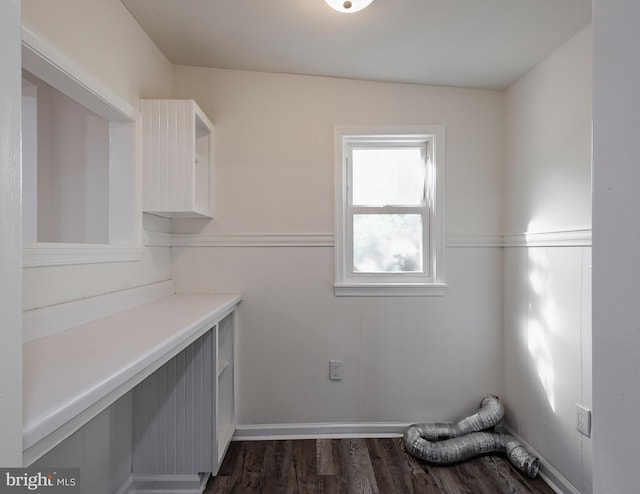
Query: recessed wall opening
{"points": [[79, 179], [65, 167]]}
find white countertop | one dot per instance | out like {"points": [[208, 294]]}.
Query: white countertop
{"points": [[66, 374]]}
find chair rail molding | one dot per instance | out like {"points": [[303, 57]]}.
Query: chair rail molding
{"points": [[566, 238], [563, 238], [253, 240]]}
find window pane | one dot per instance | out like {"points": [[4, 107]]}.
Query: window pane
{"points": [[384, 177], [387, 243]]}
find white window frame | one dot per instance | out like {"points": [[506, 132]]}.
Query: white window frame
{"points": [[427, 283]]}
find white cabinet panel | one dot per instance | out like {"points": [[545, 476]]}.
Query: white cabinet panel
{"points": [[185, 412], [177, 148], [173, 410]]}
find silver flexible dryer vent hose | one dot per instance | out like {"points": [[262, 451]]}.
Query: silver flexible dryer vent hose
{"points": [[444, 442]]}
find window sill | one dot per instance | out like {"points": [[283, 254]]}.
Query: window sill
{"points": [[390, 289]]}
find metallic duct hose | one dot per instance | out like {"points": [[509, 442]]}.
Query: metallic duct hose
{"points": [[445, 442]]}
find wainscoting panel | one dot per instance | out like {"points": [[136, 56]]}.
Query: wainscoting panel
{"points": [[50, 285], [547, 347], [406, 359]]}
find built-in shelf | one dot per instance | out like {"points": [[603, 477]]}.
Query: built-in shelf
{"points": [[225, 385], [70, 376], [177, 149]]}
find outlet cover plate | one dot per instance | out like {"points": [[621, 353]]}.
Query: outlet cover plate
{"points": [[583, 420], [335, 370]]}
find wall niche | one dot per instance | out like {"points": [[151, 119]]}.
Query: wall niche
{"points": [[65, 166], [80, 182]]}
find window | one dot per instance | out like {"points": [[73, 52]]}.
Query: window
{"points": [[390, 211]]}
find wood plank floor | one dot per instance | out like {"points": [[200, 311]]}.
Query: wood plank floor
{"points": [[358, 466]]}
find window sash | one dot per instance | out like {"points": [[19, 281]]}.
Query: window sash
{"points": [[423, 210], [424, 274], [385, 144]]}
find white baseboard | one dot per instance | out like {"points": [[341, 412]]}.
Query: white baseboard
{"points": [[165, 484], [329, 430], [549, 474]]}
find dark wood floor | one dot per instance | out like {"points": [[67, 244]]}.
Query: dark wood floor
{"points": [[358, 466]]}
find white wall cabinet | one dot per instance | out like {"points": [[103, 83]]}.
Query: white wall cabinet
{"points": [[177, 148]]}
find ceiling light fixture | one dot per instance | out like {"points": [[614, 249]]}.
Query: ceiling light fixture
{"points": [[348, 6]]}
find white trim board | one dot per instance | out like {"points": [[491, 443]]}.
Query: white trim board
{"points": [[567, 238], [475, 241], [390, 290], [38, 323], [329, 430], [253, 240], [47, 62], [54, 254], [165, 484]]}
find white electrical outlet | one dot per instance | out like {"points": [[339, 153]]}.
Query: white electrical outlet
{"points": [[335, 370], [583, 420]]}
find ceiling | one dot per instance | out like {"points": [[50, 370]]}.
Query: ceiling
{"points": [[467, 43]]}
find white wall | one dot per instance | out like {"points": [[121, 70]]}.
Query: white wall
{"points": [[274, 146], [10, 238], [616, 233], [548, 180], [108, 44], [103, 37], [405, 359], [133, 67], [547, 289]]}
